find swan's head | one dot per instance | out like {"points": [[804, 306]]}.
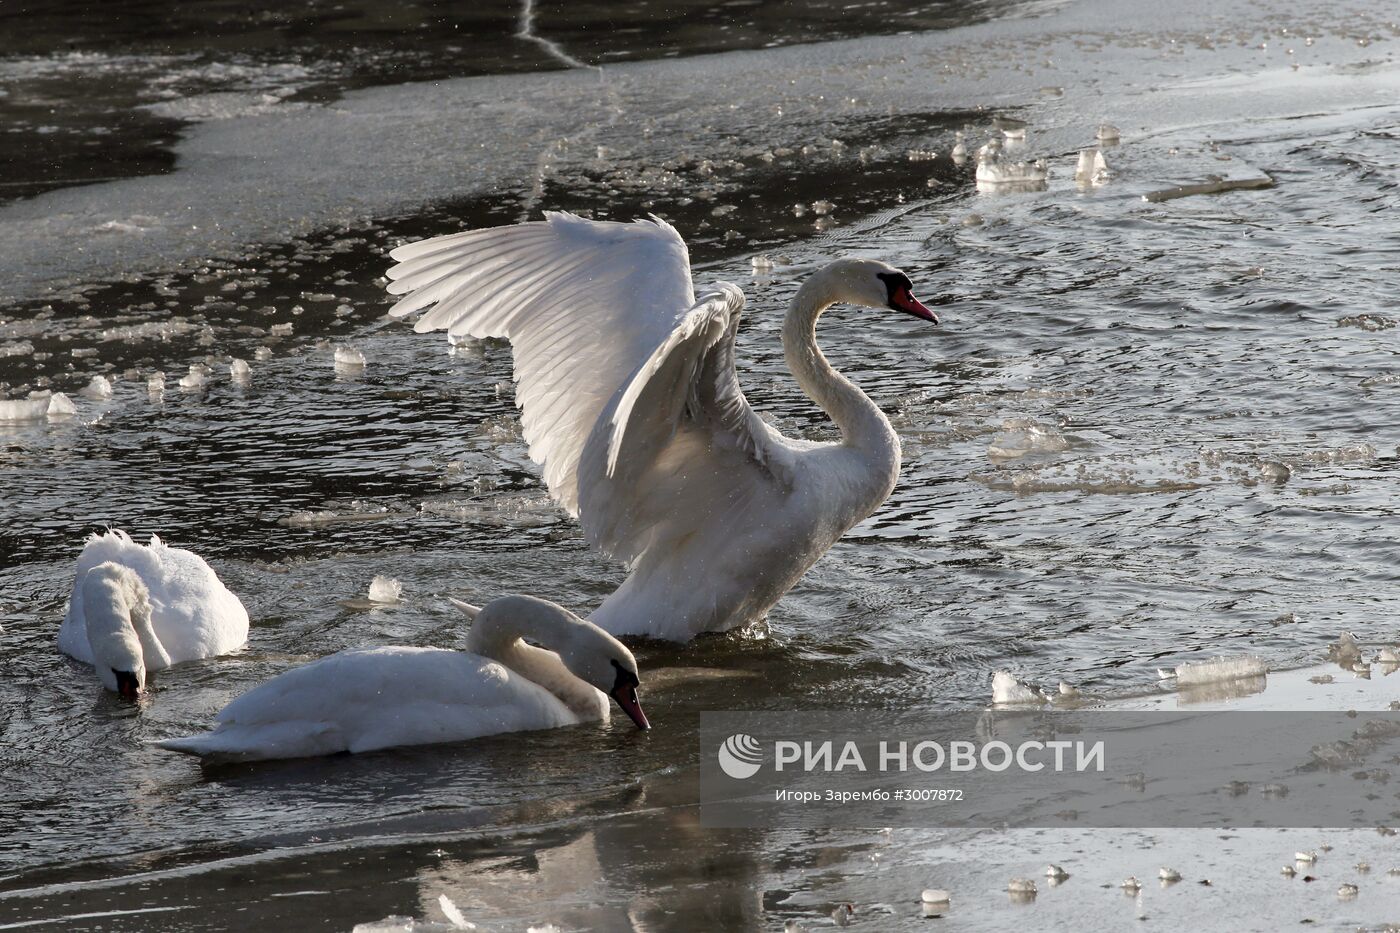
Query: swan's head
{"points": [[875, 284], [589, 653], [605, 662], [111, 593]]}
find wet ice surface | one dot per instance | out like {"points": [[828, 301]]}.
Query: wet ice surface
{"points": [[1194, 404]]}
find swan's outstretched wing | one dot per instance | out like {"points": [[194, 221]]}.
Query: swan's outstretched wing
{"points": [[621, 373], [583, 304], [680, 439]]}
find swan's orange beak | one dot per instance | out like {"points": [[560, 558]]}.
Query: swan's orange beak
{"points": [[902, 299], [626, 698]]}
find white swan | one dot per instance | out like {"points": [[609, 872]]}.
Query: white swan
{"points": [[631, 402], [138, 609], [367, 699]]}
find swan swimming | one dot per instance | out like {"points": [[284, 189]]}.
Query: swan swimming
{"points": [[138, 609], [373, 698], [631, 402]]}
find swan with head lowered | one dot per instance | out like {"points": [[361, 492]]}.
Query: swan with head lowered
{"points": [[137, 609], [374, 698], [630, 401]]}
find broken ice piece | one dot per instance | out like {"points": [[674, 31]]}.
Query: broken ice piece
{"points": [[385, 590], [1007, 689], [1218, 669]]}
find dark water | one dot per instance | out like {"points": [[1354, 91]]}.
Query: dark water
{"points": [[1213, 379]]}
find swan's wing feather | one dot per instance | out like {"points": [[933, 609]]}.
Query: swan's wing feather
{"points": [[680, 436], [583, 303]]}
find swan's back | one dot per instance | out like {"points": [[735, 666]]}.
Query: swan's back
{"points": [[194, 615], [362, 700]]}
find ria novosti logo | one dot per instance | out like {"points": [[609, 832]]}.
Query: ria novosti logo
{"points": [[740, 756]]}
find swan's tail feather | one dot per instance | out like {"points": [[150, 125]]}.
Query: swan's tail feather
{"points": [[293, 739], [470, 611]]}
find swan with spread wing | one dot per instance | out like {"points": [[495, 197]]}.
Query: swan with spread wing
{"points": [[630, 402]]}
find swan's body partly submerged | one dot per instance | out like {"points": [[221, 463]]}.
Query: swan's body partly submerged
{"points": [[630, 401], [359, 701], [137, 609]]}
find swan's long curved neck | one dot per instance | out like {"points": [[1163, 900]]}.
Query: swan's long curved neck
{"points": [[863, 426], [502, 637], [116, 604]]}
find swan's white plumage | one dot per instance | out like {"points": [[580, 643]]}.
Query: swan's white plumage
{"points": [[359, 701], [631, 402], [362, 700], [191, 611]]}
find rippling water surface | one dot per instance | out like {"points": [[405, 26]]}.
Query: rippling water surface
{"points": [[1213, 381]]}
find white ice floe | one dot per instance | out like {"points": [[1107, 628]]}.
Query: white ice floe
{"points": [[280, 330], [1108, 133], [348, 358], [843, 914], [1306, 857], [1169, 875], [1218, 669], [33, 408], [239, 372], [1288, 871], [762, 264], [155, 383], [97, 388], [935, 896], [1068, 692], [1347, 890], [453, 915], [61, 406], [1092, 168], [196, 377], [1007, 689], [1021, 887], [262, 353], [1055, 873], [1131, 883], [995, 172], [385, 590]]}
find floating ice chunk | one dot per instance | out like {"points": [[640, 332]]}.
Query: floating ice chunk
{"points": [[1068, 691], [1347, 890], [97, 388], [822, 207], [1345, 650], [1108, 133], [454, 916], [762, 264], [959, 153], [1363, 867], [1306, 858], [1007, 689], [25, 409], [1021, 887], [935, 896], [385, 590], [1055, 873], [1288, 871], [792, 926], [348, 359], [1092, 168], [1165, 675], [1388, 656], [61, 406], [196, 377], [1169, 875], [843, 915], [1011, 128], [262, 353], [1217, 669], [1131, 883], [155, 383], [1213, 184], [1020, 437], [995, 172], [239, 372], [280, 330]]}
